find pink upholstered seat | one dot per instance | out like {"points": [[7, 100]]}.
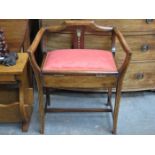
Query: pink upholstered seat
{"points": [[69, 60]]}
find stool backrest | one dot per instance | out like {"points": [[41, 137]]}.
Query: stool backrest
{"points": [[77, 34]]}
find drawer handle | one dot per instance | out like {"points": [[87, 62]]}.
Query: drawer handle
{"points": [[148, 21], [139, 76], [145, 48]]}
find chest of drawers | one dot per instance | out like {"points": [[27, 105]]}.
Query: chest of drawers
{"points": [[140, 35]]}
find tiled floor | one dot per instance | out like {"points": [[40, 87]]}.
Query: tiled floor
{"points": [[137, 115]]}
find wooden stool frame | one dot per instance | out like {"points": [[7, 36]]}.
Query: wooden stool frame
{"points": [[108, 80]]}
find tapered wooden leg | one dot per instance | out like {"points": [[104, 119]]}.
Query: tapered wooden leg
{"points": [[39, 82], [41, 103], [41, 112], [116, 108], [25, 126], [42, 122]]}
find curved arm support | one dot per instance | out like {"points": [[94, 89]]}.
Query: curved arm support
{"points": [[126, 49]]}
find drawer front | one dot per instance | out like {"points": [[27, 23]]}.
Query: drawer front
{"points": [[140, 76], [122, 24], [79, 81], [7, 78], [142, 47]]}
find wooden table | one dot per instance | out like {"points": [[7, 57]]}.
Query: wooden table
{"points": [[16, 96]]}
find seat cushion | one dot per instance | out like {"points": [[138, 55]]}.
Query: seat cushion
{"points": [[72, 60]]}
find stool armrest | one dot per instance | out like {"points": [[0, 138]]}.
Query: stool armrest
{"points": [[32, 49], [126, 49], [37, 40]]}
